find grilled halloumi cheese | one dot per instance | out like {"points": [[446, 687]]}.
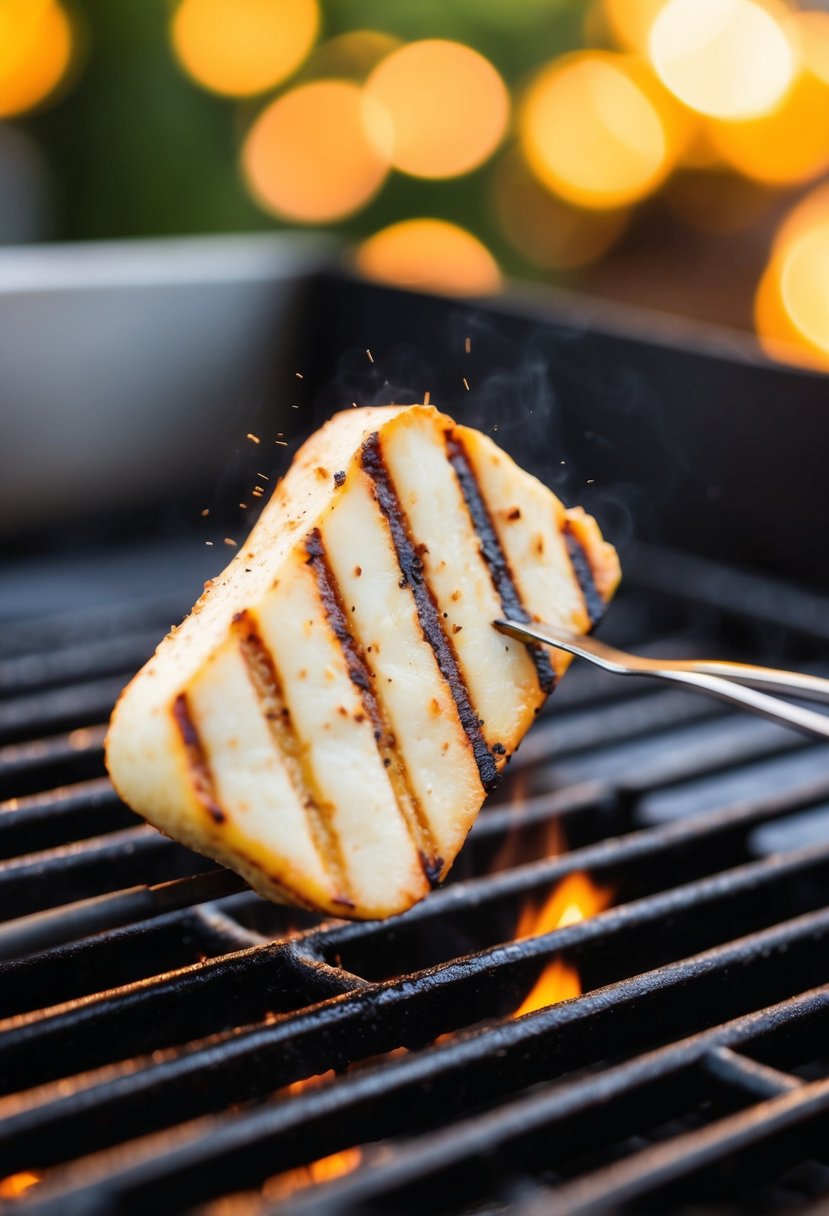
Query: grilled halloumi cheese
{"points": [[329, 718]]}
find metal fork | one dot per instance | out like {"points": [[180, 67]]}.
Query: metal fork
{"points": [[733, 682]]}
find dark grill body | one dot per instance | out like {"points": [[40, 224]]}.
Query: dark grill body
{"points": [[156, 1065]]}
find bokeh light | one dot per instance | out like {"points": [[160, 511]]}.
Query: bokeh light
{"points": [[791, 305], [547, 231], [35, 52], [307, 156], [243, 47], [730, 59], [447, 108], [630, 21], [788, 146], [432, 255], [592, 133], [791, 144]]}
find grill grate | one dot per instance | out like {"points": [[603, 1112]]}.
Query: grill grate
{"points": [[157, 1063]]}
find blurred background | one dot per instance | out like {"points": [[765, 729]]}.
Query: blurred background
{"points": [[667, 153]]}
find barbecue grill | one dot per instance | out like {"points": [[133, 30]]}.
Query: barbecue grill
{"points": [[188, 1047]]}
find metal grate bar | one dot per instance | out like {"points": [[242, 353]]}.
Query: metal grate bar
{"points": [[251, 1146], [106, 863], [622, 1096], [803, 1111], [757, 1080]]}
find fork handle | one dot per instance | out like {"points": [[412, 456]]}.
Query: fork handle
{"points": [[768, 679], [732, 682], [727, 689]]}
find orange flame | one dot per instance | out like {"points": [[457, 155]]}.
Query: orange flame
{"points": [[574, 899], [324, 1170], [18, 1184]]}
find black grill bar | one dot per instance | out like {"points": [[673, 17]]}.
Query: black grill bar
{"points": [[163, 1062], [30, 934], [799, 1118], [308, 1042], [757, 1080], [58, 709], [30, 1048], [106, 863], [492, 1063], [37, 822], [441, 1165], [99, 657], [27, 767]]}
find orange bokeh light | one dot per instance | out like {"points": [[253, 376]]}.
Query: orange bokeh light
{"points": [[547, 231], [447, 108], [35, 52], [730, 59], [307, 156], [630, 21], [574, 899], [243, 47], [791, 144], [791, 307], [432, 255], [592, 133]]}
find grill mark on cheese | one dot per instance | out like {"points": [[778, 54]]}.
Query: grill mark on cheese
{"points": [[269, 690], [411, 569], [583, 573], [408, 803], [493, 555], [201, 776]]}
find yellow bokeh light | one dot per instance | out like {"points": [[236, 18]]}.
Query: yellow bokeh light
{"points": [[730, 59], [307, 156], [35, 52], [791, 307], [788, 146], [630, 21], [547, 231], [447, 107], [243, 47], [592, 133], [432, 255]]}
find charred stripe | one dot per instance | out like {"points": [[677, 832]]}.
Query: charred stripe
{"points": [[197, 763], [268, 688], [583, 571], [411, 569], [361, 676], [494, 556]]}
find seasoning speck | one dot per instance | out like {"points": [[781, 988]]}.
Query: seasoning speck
{"points": [[339, 477], [370, 355], [466, 384], [253, 438]]}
